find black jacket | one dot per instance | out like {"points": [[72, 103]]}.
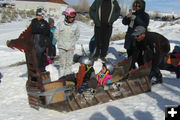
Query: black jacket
{"points": [[155, 43], [41, 30], [142, 19]]}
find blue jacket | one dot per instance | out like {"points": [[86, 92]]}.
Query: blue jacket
{"points": [[54, 39]]}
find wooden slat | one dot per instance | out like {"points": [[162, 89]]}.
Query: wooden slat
{"points": [[148, 84], [131, 89], [76, 100], [69, 103], [89, 104], [110, 95], [140, 85]]}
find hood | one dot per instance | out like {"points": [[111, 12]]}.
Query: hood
{"points": [[141, 2]]}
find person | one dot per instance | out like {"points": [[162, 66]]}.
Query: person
{"points": [[52, 47], [103, 13], [66, 34], [134, 19], [86, 77], [105, 75], [41, 35], [152, 46]]}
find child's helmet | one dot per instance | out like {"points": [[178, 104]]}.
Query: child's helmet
{"points": [[86, 60], [70, 12], [109, 66]]}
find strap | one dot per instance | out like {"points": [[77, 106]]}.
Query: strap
{"points": [[48, 93]]}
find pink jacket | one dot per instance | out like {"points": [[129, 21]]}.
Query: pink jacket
{"points": [[107, 78]]}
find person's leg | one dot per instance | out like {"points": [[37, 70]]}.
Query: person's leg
{"points": [[97, 41], [69, 62], [62, 62], [140, 59], [106, 34]]}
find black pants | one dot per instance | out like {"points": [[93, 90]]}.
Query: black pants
{"points": [[102, 37], [40, 53]]}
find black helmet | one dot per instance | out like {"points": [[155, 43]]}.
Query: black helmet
{"points": [[86, 60], [109, 66]]}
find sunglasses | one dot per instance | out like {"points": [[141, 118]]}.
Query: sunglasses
{"points": [[137, 5]]}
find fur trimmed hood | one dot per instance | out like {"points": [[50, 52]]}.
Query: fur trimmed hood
{"points": [[141, 2]]}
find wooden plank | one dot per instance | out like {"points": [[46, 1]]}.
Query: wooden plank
{"points": [[110, 95], [89, 104], [69, 103], [140, 85], [148, 84], [131, 89], [77, 100]]}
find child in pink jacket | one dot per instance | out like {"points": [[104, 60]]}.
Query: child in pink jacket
{"points": [[105, 75]]}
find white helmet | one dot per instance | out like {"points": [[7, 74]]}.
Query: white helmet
{"points": [[109, 66], [86, 60]]}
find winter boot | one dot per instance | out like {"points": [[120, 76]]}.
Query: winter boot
{"points": [[159, 78]]}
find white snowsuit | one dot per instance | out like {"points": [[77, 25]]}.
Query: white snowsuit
{"points": [[66, 35]]}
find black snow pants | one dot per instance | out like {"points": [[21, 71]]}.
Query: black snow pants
{"points": [[102, 38]]}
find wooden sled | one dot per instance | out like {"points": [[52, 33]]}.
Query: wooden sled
{"points": [[62, 95]]}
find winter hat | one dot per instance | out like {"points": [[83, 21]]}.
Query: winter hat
{"points": [[51, 21], [40, 12], [139, 30]]}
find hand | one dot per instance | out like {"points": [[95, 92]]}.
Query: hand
{"points": [[129, 15]]}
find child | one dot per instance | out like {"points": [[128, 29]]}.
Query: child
{"points": [[52, 48], [105, 75], [86, 77], [41, 34], [66, 34]]}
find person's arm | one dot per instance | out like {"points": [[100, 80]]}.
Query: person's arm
{"points": [[116, 11], [126, 20], [92, 10]]}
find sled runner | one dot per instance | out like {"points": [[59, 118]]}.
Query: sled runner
{"points": [[62, 95]]}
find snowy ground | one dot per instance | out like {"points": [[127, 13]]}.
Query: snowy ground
{"points": [[147, 106]]}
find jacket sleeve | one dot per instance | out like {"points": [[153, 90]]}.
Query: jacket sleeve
{"points": [[143, 21], [126, 21], [116, 11], [92, 11]]}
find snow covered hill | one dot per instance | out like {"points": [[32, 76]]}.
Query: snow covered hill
{"points": [[147, 106]]}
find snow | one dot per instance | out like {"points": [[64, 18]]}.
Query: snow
{"points": [[146, 106]]}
